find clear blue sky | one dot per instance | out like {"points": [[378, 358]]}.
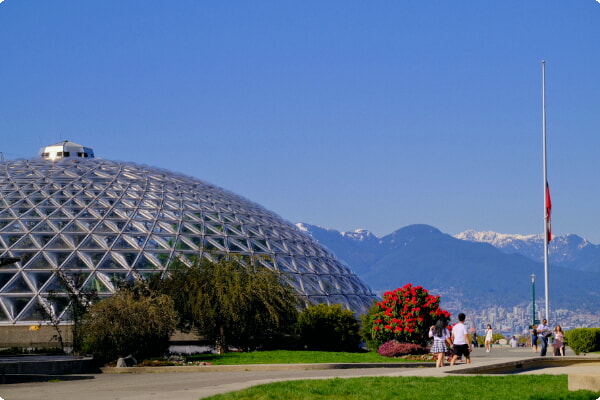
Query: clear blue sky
{"points": [[344, 114]]}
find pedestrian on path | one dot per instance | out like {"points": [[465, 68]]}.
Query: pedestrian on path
{"points": [[489, 334], [544, 331], [441, 336], [460, 341]]}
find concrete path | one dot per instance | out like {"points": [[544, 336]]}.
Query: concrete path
{"points": [[197, 385]]}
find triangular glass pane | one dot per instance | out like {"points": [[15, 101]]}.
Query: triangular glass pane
{"points": [[39, 262], [61, 257], [5, 277], [32, 312], [96, 284], [38, 279], [237, 246], [214, 229], [61, 214], [26, 243], [182, 245], [78, 261], [74, 227], [285, 264], [163, 257], [33, 214], [4, 223], [79, 280], [189, 229], [15, 305], [217, 242], [95, 257], [121, 243], [3, 315], [91, 244], [44, 226], [59, 243], [59, 305], [311, 284], [125, 259], [43, 239], [114, 278], [109, 263], [14, 226], [152, 244], [18, 285], [166, 242], [56, 285], [77, 238], [148, 262], [103, 227], [259, 246], [7, 214]]}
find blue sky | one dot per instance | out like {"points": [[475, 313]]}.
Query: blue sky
{"points": [[343, 114]]}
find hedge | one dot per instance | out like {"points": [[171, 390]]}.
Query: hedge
{"points": [[583, 340]]}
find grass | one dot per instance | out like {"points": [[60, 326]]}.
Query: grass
{"points": [[297, 357], [517, 387]]}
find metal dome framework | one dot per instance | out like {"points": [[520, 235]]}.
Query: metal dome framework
{"points": [[106, 221]]}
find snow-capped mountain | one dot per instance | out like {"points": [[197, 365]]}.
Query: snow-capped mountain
{"points": [[570, 251], [474, 268]]}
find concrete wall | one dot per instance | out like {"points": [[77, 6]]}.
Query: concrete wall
{"points": [[26, 337], [29, 337]]}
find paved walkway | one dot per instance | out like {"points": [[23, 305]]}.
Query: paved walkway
{"points": [[197, 385]]}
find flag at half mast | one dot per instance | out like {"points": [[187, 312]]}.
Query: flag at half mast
{"points": [[548, 211]]}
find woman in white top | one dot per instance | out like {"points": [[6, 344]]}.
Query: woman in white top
{"points": [[488, 338], [441, 335]]}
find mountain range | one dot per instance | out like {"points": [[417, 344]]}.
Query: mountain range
{"points": [[472, 269]]}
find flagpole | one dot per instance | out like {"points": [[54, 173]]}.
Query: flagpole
{"points": [[546, 196]]}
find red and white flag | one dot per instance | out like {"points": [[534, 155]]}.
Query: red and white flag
{"points": [[548, 211]]}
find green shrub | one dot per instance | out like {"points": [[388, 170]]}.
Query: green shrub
{"points": [[329, 328], [132, 321], [583, 340]]}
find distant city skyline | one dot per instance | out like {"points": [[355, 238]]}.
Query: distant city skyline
{"points": [[340, 114]]}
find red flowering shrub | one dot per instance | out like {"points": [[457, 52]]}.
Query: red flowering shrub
{"points": [[404, 315], [394, 348]]}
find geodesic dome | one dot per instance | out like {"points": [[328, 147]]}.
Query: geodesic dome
{"points": [[105, 220]]}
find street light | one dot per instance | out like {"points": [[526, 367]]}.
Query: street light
{"points": [[532, 299]]}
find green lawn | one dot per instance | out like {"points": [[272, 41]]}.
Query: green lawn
{"points": [[517, 387], [296, 357]]}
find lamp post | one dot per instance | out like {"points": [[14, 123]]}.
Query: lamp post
{"points": [[532, 299]]}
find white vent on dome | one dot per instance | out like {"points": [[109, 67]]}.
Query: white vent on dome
{"points": [[66, 149]]}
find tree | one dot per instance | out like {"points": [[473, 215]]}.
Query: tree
{"points": [[405, 315], [329, 328], [232, 301], [135, 320], [78, 303]]}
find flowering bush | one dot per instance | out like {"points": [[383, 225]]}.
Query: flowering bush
{"points": [[394, 348], [404, 315]]}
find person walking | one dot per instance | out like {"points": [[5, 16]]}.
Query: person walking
{"points": [[489, 334], [534, 338], [441, 336], [559, 344], [460, 341], [544, 331]]}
